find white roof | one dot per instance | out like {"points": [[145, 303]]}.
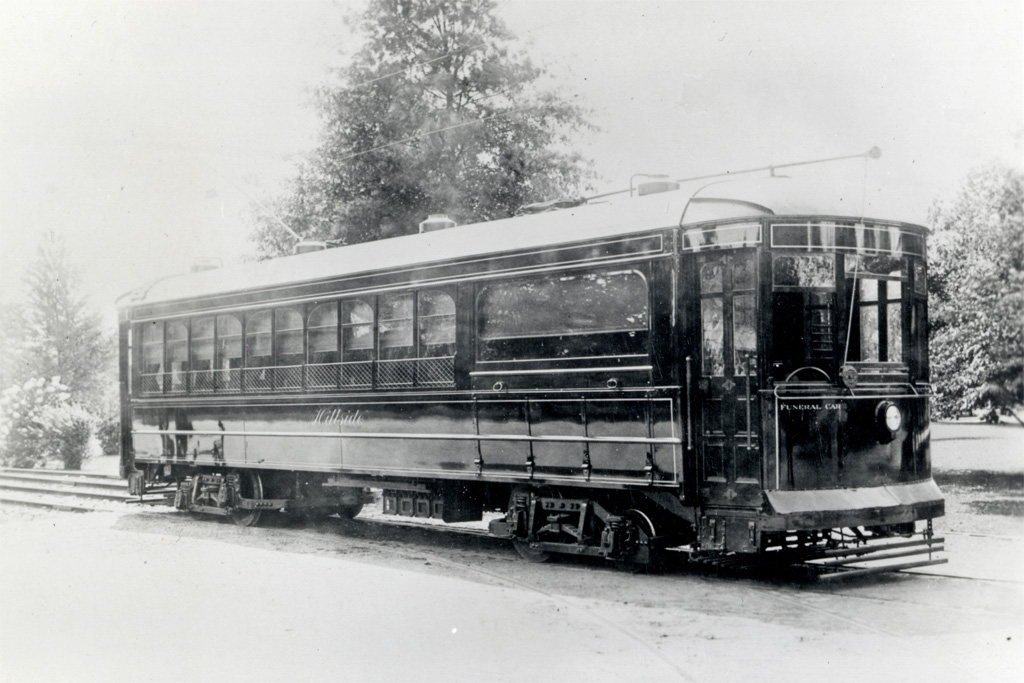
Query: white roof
{"points": [[620, 215]]}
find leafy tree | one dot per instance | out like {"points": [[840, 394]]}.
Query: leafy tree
{"points": [[437, 113], [62, 336], [976, 288]]}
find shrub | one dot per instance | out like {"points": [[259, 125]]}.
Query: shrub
{"points": [[67, 430], [23, 437], [108, 431]]}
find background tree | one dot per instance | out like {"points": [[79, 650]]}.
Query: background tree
{"points": [[976, 288], [11, 334], [437, 113], [61, 335], [58, 371]]}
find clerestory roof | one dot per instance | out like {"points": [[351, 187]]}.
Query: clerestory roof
{"points": [[618, 215]]}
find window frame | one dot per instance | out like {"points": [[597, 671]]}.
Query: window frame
{"points": [[141, 365], [299, 314], [402, 351], [480, 341], [882, 303], [247, 333], [221, 370], [202, 380], [344, 348], [264, 329], [421, 344], [723, 299], [335, 306], [917, 320], [186, 324]]}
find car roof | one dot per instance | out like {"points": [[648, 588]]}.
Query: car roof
{"points": [[615, 216]]}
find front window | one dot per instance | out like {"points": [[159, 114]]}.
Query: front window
{"points": [[804, 313], [876, 286], [831, 309]]}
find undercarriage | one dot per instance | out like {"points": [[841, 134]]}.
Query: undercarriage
{"points": [[629, 529], [243, 495], [622, 529]]}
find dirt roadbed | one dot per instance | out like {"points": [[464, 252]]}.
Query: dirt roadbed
{"points": [[153, 595]]}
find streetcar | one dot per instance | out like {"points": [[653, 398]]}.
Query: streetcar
{"points": [[740, 371]]}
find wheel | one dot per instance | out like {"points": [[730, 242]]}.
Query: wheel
{"points": [[521, 545], [349, 511], [642, 521], [251, 486], [643, 524], [530, 554]]}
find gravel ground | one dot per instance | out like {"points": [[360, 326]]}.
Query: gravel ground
{"points": [[151, 595], [974, 445]]}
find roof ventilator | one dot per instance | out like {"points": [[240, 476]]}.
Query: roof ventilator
{"points": [[306, 246], [437, 221], [550, 205], [205, 263], [656, 186]]}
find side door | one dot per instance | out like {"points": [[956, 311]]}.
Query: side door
{"points": [[729, 444]]}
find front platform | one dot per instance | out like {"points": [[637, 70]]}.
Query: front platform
{"points": [[868, 506]]}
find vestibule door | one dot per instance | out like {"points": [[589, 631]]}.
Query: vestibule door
{"points": [[729, 448]]}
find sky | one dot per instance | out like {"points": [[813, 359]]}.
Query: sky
{"points": [[144, 132]]}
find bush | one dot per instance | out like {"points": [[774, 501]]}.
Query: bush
{"points": [[108, 431], [67, 430], [39, 424], [24, 440]]}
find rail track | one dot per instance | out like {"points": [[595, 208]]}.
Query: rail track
{"points": [[87, 492], [68, 490]]}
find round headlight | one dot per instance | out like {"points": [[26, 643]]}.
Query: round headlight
{"points": [[893, 418]]}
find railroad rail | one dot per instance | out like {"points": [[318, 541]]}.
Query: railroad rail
{"points": [[69, 490], [87, 492]]}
